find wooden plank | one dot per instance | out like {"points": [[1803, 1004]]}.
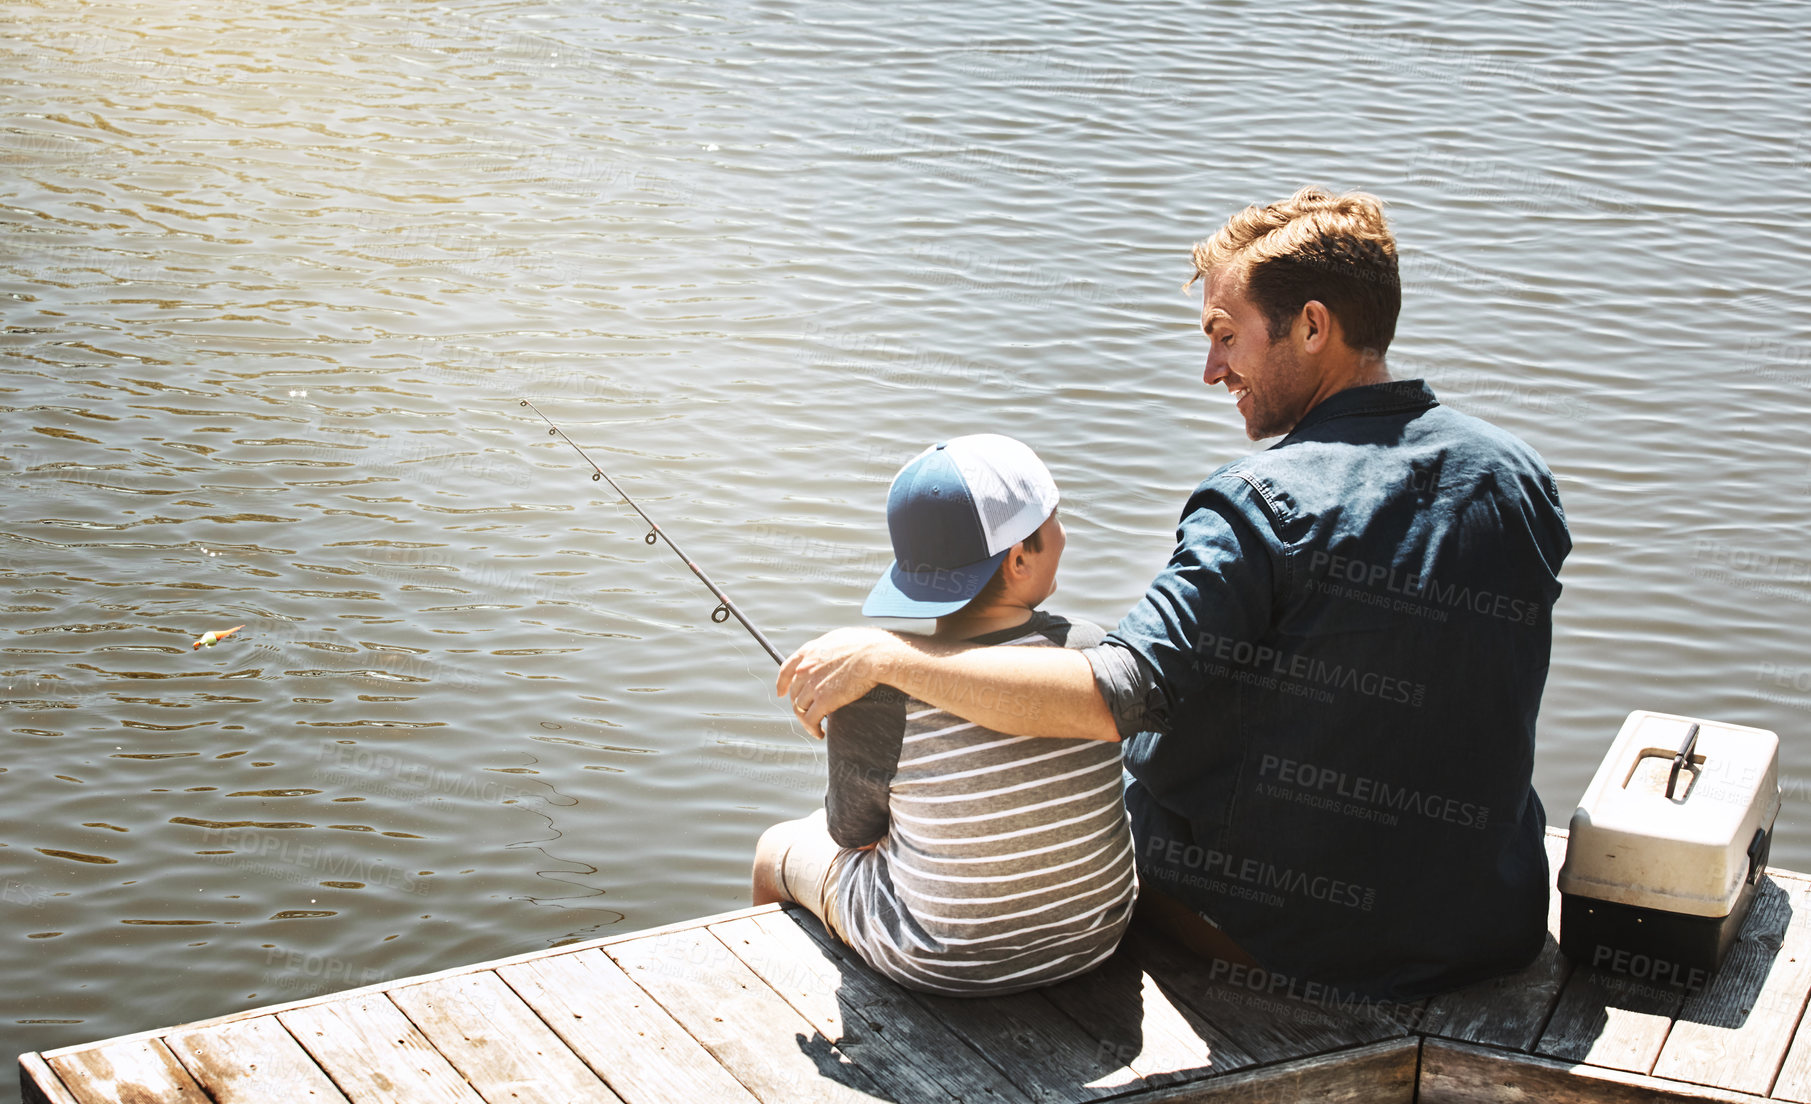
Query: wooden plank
{"points": [[1263, 1025], [141, 1070], [1509, 1011], [251, 1061], [1041, 1048], [373, 1053], [1037, 1046], [1136, 1020], [416, 979], [904, 1049], [39, 1084], [1794, 1081], [497, 1043], [1734, 1033], [620, 1032], [1460, 1073], [1377, 1073], [762, 1040], [1610, 1021]]}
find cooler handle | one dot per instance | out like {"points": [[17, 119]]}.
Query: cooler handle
{"points": [[1757, 853], [1684, 757]]}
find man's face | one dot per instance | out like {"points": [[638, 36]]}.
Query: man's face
{"points": [[1271, 384]]}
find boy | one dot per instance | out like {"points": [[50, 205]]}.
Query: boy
{"points": [[953, 859]]}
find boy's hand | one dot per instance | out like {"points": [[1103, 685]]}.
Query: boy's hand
{"points": [[830, 672]]}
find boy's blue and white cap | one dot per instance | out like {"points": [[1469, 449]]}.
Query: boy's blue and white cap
{"points": [[953, 513]]}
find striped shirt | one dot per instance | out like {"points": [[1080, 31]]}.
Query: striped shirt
{"points": [[1003, 862]]}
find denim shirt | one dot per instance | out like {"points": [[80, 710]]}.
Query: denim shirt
{"points": [[1328, 698]]}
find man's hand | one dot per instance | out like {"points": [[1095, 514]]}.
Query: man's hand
{"points": [[830, 672]]}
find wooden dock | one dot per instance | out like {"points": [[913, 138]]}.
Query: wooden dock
{"points": [[761, 1005]]}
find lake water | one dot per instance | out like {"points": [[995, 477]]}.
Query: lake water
{"points": [[277, 276]]}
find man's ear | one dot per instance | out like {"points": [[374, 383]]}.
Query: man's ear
{"points": [[1316, 325]]}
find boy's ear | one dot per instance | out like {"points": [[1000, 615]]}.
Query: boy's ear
{"points": [[1015, 556]]}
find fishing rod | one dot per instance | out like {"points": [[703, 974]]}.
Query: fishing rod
{"points": [[725, 608]]}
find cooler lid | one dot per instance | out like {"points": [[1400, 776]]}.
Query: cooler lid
{"points": [[1688, 852]]}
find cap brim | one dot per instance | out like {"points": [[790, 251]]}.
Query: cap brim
{"points": [[929, 592]]}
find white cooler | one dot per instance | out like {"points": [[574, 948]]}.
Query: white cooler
{"points": [[1656, 886]]}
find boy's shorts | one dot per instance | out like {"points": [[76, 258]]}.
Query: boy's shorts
{"points": [[810, 867]]}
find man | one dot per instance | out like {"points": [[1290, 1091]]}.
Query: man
{"points": [[1328, 696]]}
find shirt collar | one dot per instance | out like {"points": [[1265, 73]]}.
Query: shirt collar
{"points": [[1394, 397]]}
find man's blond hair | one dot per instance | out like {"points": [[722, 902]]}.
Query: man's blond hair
{"points": [[1314, 245]]}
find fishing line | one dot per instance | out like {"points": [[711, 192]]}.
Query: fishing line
{"points": [[725, 608]]}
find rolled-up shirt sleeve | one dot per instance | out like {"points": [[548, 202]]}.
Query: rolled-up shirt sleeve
{"points": [[1128, 687]]}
